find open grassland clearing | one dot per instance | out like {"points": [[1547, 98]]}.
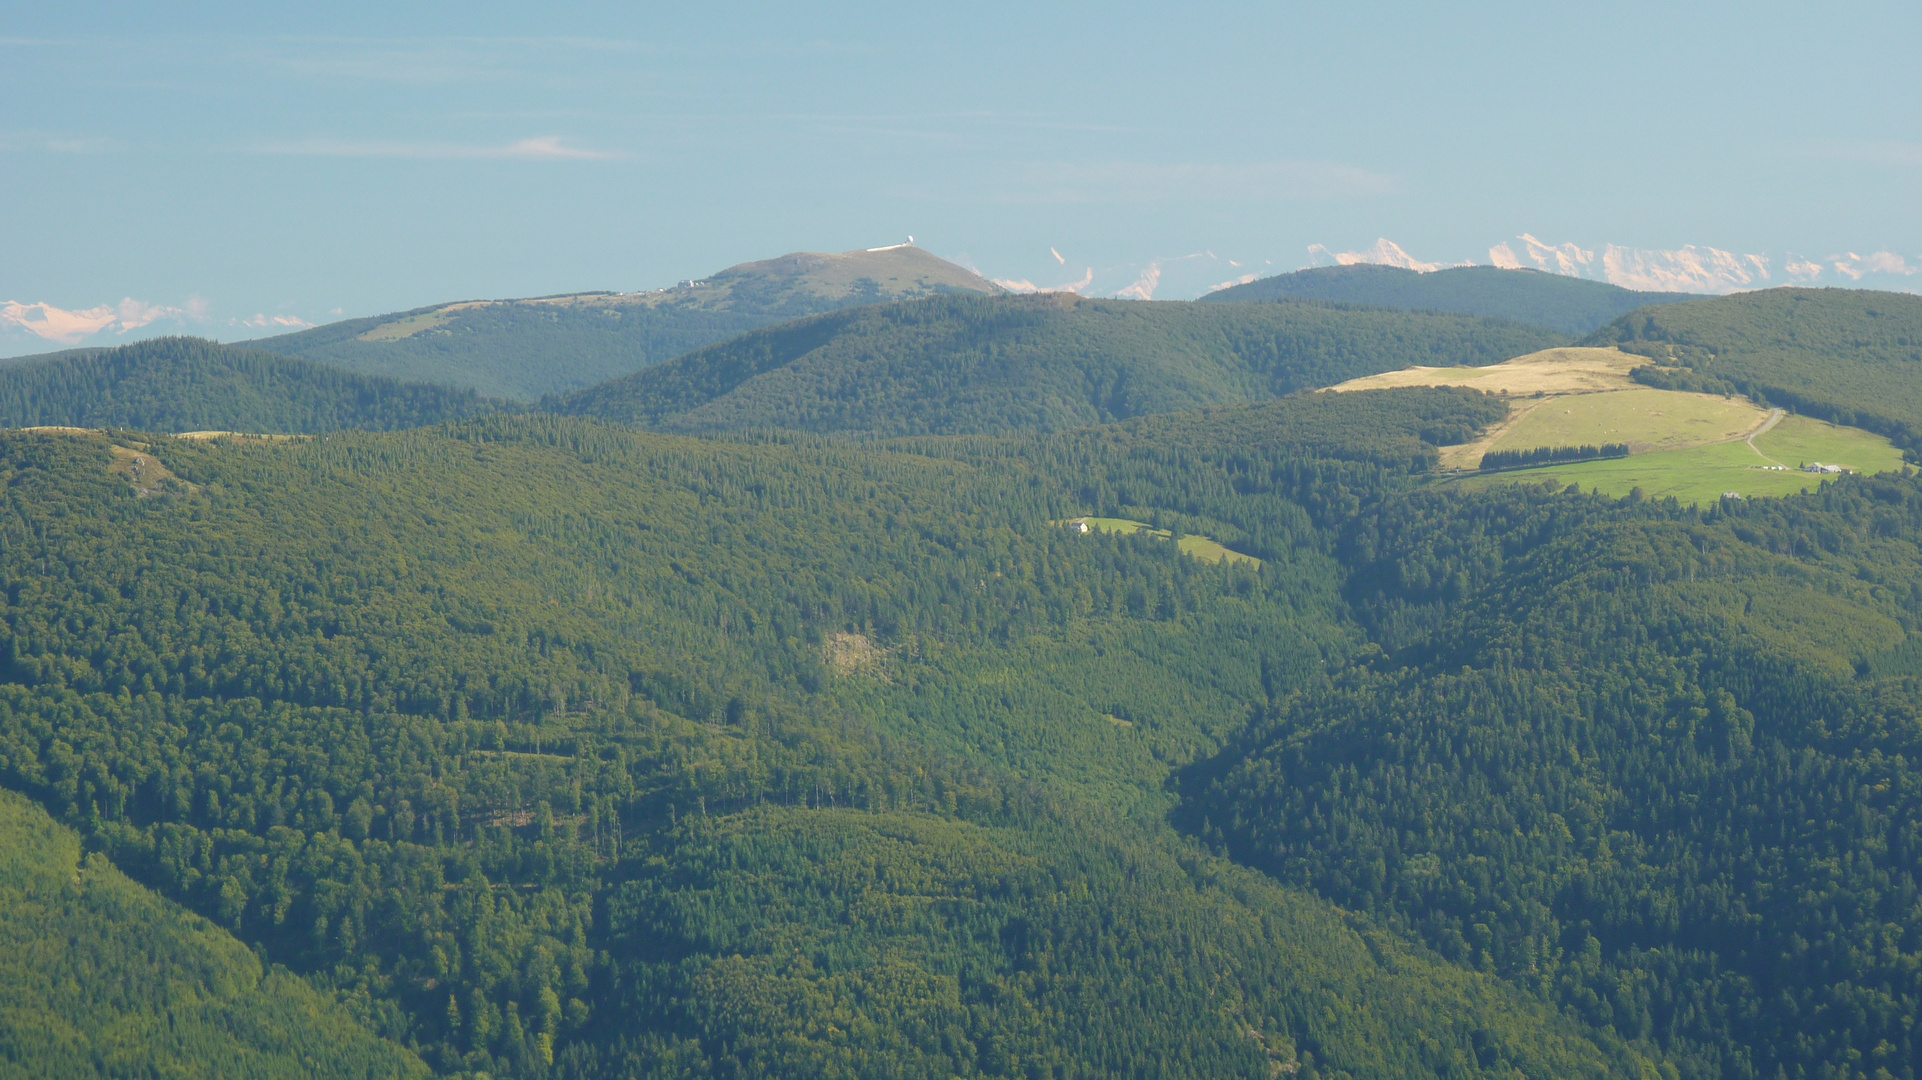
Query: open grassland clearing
{"points": [[1551, 371], [418, 323], [1702, 474], [131, 461], [1644, 418], [1695, 447], [1579, 397], [138, 467], [1199, 547]]}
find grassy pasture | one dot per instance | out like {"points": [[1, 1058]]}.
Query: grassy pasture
{"points": [[1199, 547], [1644, 418], [1700, 474], [1207, 550], [415, 324], [1551, 371], [1577, 397], [1689, 446]]}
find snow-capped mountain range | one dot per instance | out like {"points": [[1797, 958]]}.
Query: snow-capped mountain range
{"points": [[1689, 268]]}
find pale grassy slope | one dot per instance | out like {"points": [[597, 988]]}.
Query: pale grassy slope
{"points": [[1646, 419], [1207, 549], [1550, 371], [1580, 397]]}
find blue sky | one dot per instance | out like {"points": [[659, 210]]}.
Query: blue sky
{"points": [[204, 168]]}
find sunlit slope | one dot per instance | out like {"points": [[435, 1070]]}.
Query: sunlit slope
{"points": [[1569, 305], [101, 978], [965, 365], [1694, 446], [523, 349]]}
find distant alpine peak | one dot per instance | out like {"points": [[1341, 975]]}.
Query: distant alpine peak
{"points": [[1690, 268], [1385, 253]]}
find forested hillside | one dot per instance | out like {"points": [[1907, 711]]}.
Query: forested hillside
{"points": [[967, 365], [100, 978], [559, 749], [1848, 356], [190, 384], [563, 750], [524, 349], [1653, 764], [1566, 305]]}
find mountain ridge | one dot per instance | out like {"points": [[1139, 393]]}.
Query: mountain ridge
{"points": [[1567, 305], [976, 365], [522, 349], [192, 384]]}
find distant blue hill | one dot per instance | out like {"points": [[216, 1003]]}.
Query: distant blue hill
{"points": [[1565, 304]]}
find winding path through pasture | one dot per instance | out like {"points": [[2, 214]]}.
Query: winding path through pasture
{"points": [[1775, 417]]}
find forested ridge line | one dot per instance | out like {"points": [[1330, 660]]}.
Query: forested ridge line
{"points": [[181, 384], [523, 350], [1564, 304], [961, 365], [102, 978]]}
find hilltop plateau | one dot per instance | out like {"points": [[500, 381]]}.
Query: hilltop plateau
{"points": [[190, 384]]}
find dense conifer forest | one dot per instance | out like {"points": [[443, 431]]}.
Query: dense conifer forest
{"points": [[969, 365], [101, 977], [191, 384], [559, 749]]}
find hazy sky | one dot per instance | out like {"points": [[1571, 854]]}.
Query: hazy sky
{"points": [[219, 165]]}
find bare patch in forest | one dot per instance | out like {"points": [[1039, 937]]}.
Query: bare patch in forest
{"points": [[853, 654]]}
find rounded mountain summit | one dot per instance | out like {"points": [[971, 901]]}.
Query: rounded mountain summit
{"points": [[523, 349]]}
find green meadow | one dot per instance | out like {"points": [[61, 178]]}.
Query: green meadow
{"points": [[1200, 547], [1647, 420], [1702, 474]]}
